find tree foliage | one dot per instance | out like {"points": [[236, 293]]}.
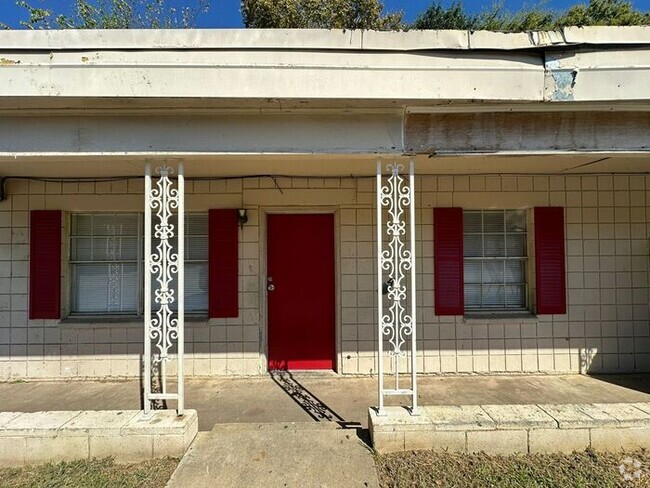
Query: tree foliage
{"points": [[325, 14], [452, 17], [116, 14], [328, 14], [603, 12], [497, 18]]}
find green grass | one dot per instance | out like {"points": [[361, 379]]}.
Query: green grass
{"points": [[444, 469], [96, 473]]}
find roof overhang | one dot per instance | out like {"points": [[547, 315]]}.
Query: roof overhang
{"points": [[325, 67]]}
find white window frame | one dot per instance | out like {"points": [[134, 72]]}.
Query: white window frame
{"points": [[481, 309], [139, 266]]}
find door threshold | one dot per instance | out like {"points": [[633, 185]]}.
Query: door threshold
{"points": [[306, 372]]}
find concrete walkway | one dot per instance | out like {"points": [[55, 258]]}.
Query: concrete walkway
{"points": [[276, 455]]}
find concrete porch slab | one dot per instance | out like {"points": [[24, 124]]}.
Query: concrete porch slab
{"points": [[511, 429], [626, 415], [455, 417], [39, 437], [38, 423], [341, 399], [644, 407], [572, 416], [6, 417], [519, 417], [102, 423]]}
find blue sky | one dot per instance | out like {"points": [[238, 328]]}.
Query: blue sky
{"points": [[225, 13]]}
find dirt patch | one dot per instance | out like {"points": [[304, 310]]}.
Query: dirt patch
{"points": [[90, 473], [580, 469]]}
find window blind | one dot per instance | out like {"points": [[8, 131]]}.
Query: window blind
{"points": [[104, 255], [495, 259], [196, 262]]}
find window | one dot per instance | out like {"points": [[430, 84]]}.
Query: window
{"points": [[106, 261], [495, 260], [196, 262], [105, 258]]}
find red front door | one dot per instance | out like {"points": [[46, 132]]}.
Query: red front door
{"points": [[301, 291]]}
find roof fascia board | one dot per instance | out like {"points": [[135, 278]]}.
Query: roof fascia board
{"points": [[182, 39], [314, 39], [607, 35]]}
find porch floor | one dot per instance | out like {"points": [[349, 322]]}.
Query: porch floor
{"points": [[301, 397]]}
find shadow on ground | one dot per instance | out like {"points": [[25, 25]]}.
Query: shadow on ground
{"points": [[318, 410], [637, 382]]}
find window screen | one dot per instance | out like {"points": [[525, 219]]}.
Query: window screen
{"points": [[495, 259]]}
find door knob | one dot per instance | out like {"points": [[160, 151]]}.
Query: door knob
{"points": [[270, 287]]}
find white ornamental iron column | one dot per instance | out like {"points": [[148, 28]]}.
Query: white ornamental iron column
{"points": [[397, 264], [163, 326]]}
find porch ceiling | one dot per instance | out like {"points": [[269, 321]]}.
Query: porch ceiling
{"points": [[230, 165]]}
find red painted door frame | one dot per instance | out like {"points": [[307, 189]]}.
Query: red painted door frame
{"points": [[301, 291]]}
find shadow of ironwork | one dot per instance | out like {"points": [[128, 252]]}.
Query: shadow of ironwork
{"points": [[310, 403], [156, 385], [141, 382]]}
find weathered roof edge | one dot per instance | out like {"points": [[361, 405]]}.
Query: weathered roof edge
{"points": [[317, 39]]}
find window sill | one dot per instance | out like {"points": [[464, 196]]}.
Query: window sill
{"points": [[501, 317], [83, 322]]}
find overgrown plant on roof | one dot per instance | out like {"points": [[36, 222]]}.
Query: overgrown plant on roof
{"points": [[498, 18]]}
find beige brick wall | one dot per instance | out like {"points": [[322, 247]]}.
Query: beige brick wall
{"points": [[606, 327]]}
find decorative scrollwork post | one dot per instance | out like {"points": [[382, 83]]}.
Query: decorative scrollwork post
{"points": [[163, 265], [396, 324]]}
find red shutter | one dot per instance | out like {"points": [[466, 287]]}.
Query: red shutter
{"points": [[549, 260], [223, 258], [448, 261], [45, 264]]}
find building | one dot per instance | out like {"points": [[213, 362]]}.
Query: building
{"points": [[530, 149]]}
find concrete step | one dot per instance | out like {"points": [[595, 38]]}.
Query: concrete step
{"points": [[301, 454]]}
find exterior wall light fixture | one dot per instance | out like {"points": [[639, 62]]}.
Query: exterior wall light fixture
{"points": [[242, 216], [3, 195]]}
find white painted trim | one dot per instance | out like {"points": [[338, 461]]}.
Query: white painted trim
{"points": [[413, 273], [380, 286], [180, 276], [316, 39], [147, 289]]}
